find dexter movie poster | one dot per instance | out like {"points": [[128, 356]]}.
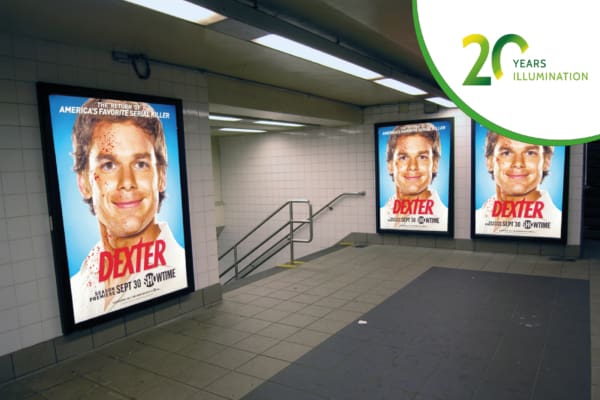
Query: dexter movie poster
{"points": [[414, 176], [118, 201], [519, 189]]}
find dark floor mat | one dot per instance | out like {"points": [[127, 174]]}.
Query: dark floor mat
{"points": [[454, 334]]}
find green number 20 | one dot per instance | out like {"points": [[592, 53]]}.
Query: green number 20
{"points": [[472, 78]]}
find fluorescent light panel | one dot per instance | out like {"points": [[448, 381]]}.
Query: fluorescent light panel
{"points": [[181, 9], [242, 130], [442, 102], [277, 123], [223, 118], [400, 86], [308, 53]]}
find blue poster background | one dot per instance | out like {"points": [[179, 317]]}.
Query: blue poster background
{"points": [[485, 187], [80, 226], [440, 182]]}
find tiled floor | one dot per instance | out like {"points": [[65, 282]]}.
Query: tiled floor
{"points": [[263, 327]]}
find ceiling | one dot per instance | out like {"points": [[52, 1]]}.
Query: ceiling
{"points": [[245, 78]]}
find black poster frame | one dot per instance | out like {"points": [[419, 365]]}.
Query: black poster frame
{"points": [[417, 218], [58, 106]]}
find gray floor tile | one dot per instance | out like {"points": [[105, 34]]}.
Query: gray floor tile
{"points": [[263, 367], [81, 388], [278, 331], [287, 351], [289, 306], [224, 336], [256, 343], [227, 351], [202, 350], [164, 339], [315, 311], [298, 320], [15, 390], [272, 315], [202, 374], [123, 378], [327, 325], [234, 385], [226, 320], [251, 325], [231, 358], [308, 337]]}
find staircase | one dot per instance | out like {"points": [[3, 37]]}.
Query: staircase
{"points": [[285, 236]]}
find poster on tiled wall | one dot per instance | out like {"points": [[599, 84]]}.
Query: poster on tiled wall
{"points": [[414, 165], [519, 188], [117, 195]]}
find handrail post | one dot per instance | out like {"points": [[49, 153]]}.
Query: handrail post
{"points": [[235, 262], [310, 225], [289, 238], [291, 233]]}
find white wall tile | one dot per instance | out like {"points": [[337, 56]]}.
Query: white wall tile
{"points": [[9, 341], [8, 298], [18, 228], [26, 292], [25, 70], [9, 320], [15, 205], [8, 91], [31, 334], [28, 115], [7, 68], [51, 328], [30, 137], [9, 114], [11, 160], [4, 252], [13, 182], [28, 284], [29, 314]]}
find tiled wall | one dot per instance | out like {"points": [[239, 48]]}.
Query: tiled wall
{"points": [[259, 173], [29, 311]]}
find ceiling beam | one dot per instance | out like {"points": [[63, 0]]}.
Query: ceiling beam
{"points": [[255, 17], [244, 98]]}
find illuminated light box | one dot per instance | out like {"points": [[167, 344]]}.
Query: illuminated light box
{"points": [[518, 189], [118, 204], [414, 167]]}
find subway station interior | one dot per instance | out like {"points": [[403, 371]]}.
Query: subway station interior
{"points": [[295, 288]]}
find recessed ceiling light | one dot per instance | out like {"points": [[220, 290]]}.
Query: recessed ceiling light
{"points": [[223, 118], [400, 86], [308, 53], [442, 102], [277, 123], [242, 130], [182, 9]]}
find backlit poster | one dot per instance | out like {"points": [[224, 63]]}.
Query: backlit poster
{"points": [[117, 198], [414, 176], [518, 188]]}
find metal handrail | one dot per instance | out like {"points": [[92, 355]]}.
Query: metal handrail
{"points": [[328, 205], [256, 228], [291, 239], [287, 238], [325, 207]]}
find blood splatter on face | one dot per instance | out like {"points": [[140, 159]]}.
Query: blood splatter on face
{"points": [[124, 178]]}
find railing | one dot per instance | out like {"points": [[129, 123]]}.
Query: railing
{"points": [[293, 224]]}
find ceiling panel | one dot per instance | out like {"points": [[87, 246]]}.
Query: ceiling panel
{"points": [[377, 31]]}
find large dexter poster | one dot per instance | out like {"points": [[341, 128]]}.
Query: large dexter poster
{"points": [[519, 189], [117, 198], [414, 176]]}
